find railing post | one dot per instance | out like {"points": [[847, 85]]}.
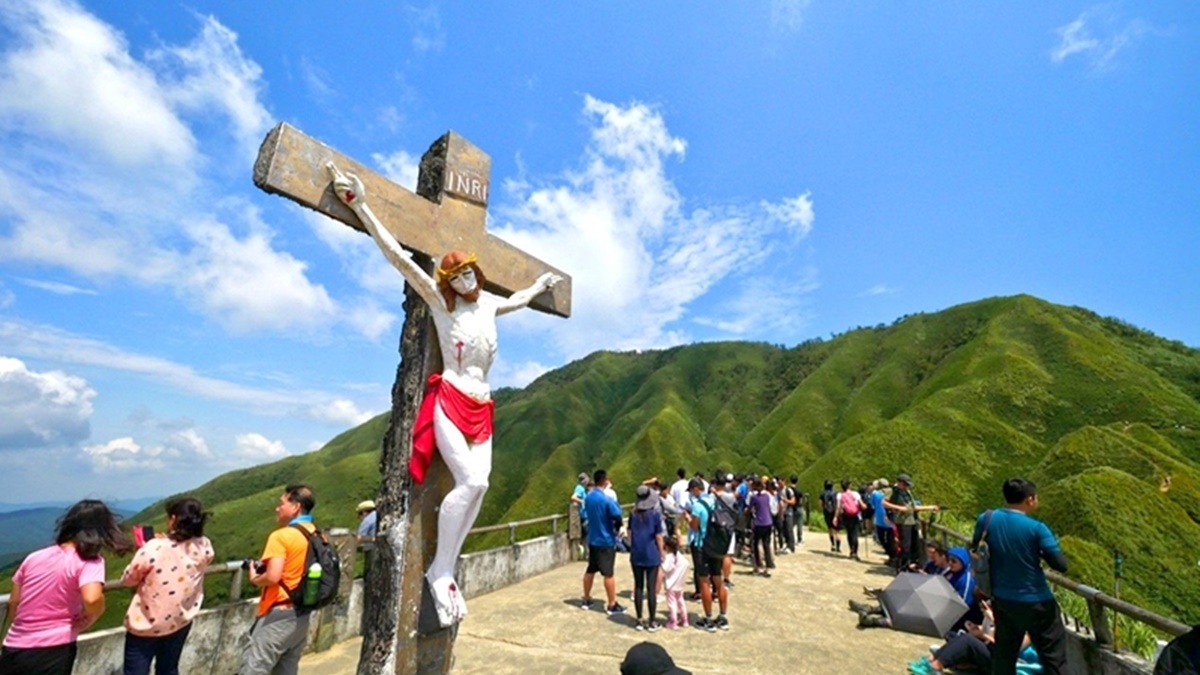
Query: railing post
{"points": [[1100, 625], [512, 534], [235, 585], [554, 525], [3, 614]]}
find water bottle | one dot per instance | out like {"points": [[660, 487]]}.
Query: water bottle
{"points": [[312, 584]]}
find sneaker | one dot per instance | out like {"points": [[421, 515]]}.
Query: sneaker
{"points": [[921, 666], [586, 605], [653, 626], [710, 625], [860, 607], [766, 574], [641, 625], [722, 622], [671, 625], [616, 608], [728, 584]]}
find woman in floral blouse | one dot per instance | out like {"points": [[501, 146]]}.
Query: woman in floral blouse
{"points": [[169, 575]]}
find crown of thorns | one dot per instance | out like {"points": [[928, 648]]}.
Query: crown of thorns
{"points": [[444, 274]]}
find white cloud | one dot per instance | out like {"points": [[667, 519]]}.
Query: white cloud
{"points": [[223, 267], [104, 179], [400, 167], [506, 374], [341, 412], [1097, 36], [69, 76], [257, 448], [880, 289], [639, 259], [34, 340], [57, 287], [787, 16], [214, 76], [426, 25], [769, 306], [41, 409], [121, 454]]}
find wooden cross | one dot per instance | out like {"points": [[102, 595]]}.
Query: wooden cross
{"points": [[401, 633]]}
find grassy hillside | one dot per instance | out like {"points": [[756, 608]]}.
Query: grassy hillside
{"points": [[1106, 417]]}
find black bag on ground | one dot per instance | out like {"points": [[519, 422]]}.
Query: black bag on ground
{"points": [[722, 522], [304, 597]]}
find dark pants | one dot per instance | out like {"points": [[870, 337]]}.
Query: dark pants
{"points": [[887, 540], [965, 649], [164, 651], [850, 525], [645, 583], [762, 537], [910, 546], [1042, 621], [789, 530], [38, 661]]}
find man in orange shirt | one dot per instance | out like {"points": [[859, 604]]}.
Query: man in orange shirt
{"points": [[277, 637]]}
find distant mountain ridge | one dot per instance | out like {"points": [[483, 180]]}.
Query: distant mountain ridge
{"points": [[1103, 415], [27, 527]]}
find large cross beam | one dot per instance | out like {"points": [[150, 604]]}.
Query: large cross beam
{"points": [[401, 633], [448, 211]]}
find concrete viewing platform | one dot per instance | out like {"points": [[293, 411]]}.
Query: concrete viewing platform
{"points": [[796, 621]]}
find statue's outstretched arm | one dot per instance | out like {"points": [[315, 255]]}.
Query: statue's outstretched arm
{"points": [[523, 297], [349, 188]]}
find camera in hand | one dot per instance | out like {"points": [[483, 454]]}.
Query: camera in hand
{"points": [[259, 566]]}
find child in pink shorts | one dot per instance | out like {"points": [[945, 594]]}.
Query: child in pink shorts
{"points": [[675, 568]]}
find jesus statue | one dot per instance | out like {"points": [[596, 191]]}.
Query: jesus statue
{"points": [[456, 413]]}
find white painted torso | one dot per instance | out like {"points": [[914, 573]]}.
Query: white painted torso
{"points": [[467, 337]]}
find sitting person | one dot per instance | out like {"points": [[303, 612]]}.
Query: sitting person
{"points": [[971, 650], [935, 560], [958, 573]]}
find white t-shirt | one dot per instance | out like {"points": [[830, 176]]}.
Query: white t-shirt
{"points": [[679, 492]]}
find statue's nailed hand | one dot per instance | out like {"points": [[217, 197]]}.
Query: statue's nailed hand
{"points": [[547, 281], [346, 186]]}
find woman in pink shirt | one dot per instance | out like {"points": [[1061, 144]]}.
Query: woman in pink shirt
{"points": [[169, 575], [59, 590]]}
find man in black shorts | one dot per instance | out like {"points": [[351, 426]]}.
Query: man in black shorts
{"points": [[708, 568], [604, 519]]}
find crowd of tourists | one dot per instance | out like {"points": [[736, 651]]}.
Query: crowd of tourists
{"points": [[1011, 624]]}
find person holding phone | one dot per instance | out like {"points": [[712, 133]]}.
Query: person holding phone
{"points": [[168, 572]]}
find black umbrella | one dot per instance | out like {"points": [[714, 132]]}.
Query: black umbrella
{"points": [[922, 603]]}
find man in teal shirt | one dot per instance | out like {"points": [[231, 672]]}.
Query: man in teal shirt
{"points": [[1021, 598]]}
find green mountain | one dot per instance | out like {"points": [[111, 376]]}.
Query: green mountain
{"points": [[1104, 416]]}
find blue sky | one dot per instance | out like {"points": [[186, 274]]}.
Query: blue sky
{"points": [[770, 171]]}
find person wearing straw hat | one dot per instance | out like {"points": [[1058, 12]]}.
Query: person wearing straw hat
{"points": [[367, 522]]}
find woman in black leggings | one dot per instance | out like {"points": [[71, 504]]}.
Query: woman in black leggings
{"points": [[645, 553]]}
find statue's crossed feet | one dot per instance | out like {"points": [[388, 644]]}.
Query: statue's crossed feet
{"points": [[448, 600]]}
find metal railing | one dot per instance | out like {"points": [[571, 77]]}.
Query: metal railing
{"points": [[1098, 602], [237, 574]]}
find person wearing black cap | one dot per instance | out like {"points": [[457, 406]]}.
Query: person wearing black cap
{"points": [[905, 508], [647, 658]]}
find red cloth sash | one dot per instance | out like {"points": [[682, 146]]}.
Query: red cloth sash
{"points": [[473, 418]]}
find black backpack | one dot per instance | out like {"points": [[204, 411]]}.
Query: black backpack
{"points": [[722, 522], [829, 502], [323, 552]]}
